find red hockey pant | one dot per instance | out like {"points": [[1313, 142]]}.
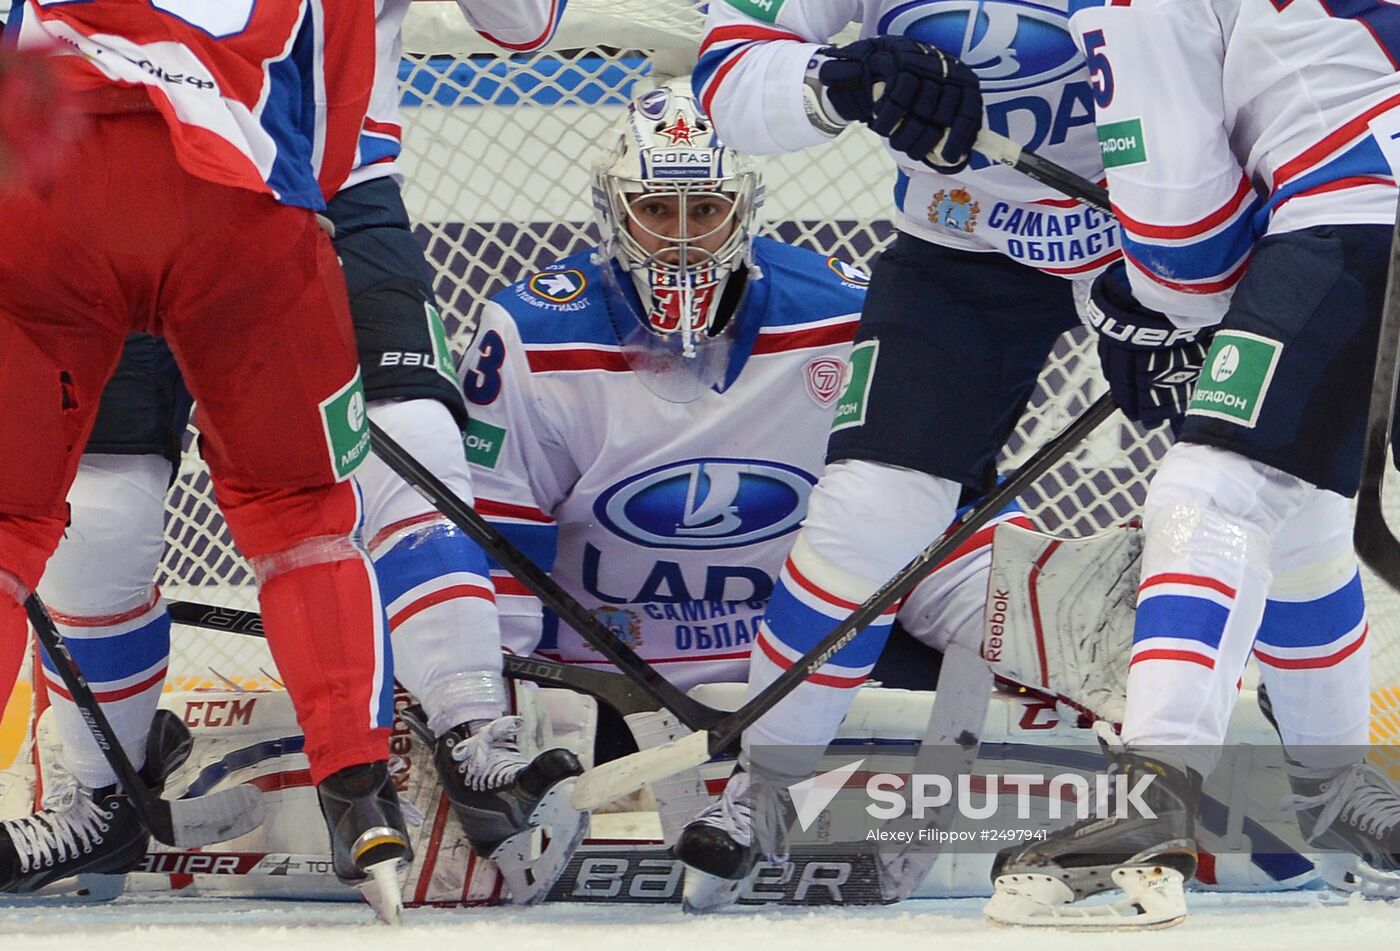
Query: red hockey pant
{"points": [[250, 296]]}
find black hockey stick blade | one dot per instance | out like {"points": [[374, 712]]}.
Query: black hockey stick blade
{"points": [[1375, 542], [622, 776], [614, 689], [693, 714], [188, 823], [999, 148]]}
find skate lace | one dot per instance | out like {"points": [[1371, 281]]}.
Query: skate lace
{"points": [[1360, 797], [490, 758], [69, 825], [732, 812]]}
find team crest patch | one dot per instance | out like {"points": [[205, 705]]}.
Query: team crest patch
{"points": [[653, 104], [848, 273], [625, 624], [558, 287], [954, 209], [823, 376], [346, 427]]}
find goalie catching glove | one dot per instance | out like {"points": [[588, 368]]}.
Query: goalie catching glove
{"points": [[1150, 363], [926, 103]]}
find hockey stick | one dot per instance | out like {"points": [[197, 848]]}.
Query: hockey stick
{"points": [[616, 690], [1375, 542], [201, 820], [1000, 149], [619, 777], [693, 714]]}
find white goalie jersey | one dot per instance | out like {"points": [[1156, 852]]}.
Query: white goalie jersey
{"points": [[668, 520]]}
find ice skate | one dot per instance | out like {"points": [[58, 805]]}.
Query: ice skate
{"points": [[514, 811], [1042, 882], [91, 836], [368, 840], [717, 848]]}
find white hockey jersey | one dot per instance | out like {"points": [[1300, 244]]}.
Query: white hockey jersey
{"points": [[519, 26], [1224, 120], [669, 520], [1034, 83]]}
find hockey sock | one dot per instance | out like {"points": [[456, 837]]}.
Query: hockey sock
{"points": [[320, 606], [98, 588], [1208, 521], [124, 658], [865, 521], [1312, 647], [442, 618], [435, 581]]}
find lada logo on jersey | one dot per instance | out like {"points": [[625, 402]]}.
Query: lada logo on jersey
{"points": [[558, 287], [1009, 45], [824, 376], [707, 503]]}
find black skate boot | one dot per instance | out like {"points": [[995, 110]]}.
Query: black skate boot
{"points": [[720, 847], [92, 836], [369, 841], [502, 799], [1352, 814], [1039, 882]]}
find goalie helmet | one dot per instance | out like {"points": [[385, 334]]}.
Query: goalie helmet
{"points": [[676, 209]]}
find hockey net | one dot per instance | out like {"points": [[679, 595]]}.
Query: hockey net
{"points": [[497, 151]]}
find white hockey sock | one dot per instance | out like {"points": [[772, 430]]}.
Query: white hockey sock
{"points": [[434, 580], [98, 587], [1208, 521], [864, 522], [1312, 647]]}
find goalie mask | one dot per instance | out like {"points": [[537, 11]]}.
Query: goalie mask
{"points": [[676, 209]]}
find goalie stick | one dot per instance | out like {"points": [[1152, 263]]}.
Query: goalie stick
{"points": [[197, 821], [609, 781], [616, 690], [1375, 542]]}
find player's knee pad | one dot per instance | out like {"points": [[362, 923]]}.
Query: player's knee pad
{"points": [[1218, 502], [428, 431], [873, 518], [1312, 551], [107, 561]]}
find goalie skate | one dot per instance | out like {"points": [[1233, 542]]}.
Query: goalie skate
{"points": [[1147, 856], [515, 811], [368, 839]]}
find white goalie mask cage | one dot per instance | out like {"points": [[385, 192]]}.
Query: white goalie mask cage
{"points": [[666, 155]]}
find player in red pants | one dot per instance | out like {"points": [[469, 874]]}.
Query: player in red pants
{"points": [[187, 210]]}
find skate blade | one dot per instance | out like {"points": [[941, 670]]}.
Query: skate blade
{"points": [[82, 889], [704, 892], [382, 892], [1153, 897], [1348, 873], [529, 870]]}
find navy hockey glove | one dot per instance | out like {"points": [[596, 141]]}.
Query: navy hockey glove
{"points": [[1151, 365], [926, 103]]}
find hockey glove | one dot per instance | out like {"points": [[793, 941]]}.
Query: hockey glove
{"points": [[1151, 365], [926, 103]]}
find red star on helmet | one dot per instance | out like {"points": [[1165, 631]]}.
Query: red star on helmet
{"points": [[680, 132]]}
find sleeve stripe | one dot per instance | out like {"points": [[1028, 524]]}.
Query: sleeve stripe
{"points": [[743, 31], [1196, 287], [1331, 143], [708, 96], [529, 46], [490, 508], [1198, 227], [1355, 181]]}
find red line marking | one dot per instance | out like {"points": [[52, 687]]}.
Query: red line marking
{"points": [[451, 593], [1312, 663], [1035, 609], [1200, 581], [1190, 657]]}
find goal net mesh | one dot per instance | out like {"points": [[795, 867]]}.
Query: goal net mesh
{"points": [[497, 150]]}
